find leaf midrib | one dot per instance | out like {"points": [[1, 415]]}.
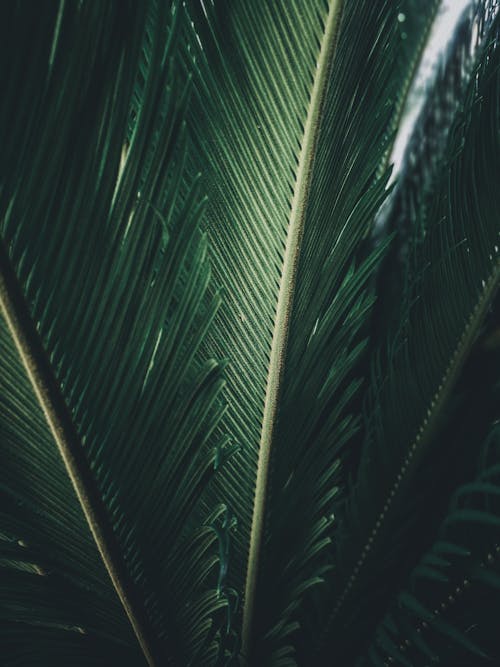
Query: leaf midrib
{"points": [[14, 309], [454, 590], [427, 429], [298, 210]]}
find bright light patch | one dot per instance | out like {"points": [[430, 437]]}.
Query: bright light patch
{"points": [[441, 33]]}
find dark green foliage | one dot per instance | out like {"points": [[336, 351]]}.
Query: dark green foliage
{"points": [[152, 153]]}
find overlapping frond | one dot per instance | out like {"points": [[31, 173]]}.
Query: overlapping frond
{"points": [[446, 611], [183, 437], [253, 69], [53, 583], [455, 278], [256, 72], [105, 278]]}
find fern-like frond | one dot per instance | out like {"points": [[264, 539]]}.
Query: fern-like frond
{"points": [[104, 290], [457, 274], [446, 611], [216, 410], [292, 121], [54, 584]]}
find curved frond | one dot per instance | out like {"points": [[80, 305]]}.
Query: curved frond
{"points": [[225, 400], [52, 579], [292, 193], [104, 289], [447, 609], [440, 321]]}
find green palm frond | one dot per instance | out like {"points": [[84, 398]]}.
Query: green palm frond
{"points": [[229, 349], [453, 281], [55, 585], [125, 337], [442, 613], [255, 244]]}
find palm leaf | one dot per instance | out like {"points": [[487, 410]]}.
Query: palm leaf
{"points": [[280, 311], [463, 559], [126, 336], [452, 284], [188, 183], [59, 587]]}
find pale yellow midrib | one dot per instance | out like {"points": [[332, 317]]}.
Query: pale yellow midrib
{"points": [[427, 427], [8, 311], [284, 307]]}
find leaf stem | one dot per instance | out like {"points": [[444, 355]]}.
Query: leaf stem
{"points": [[426, 432], [284, 306], [14, 309]]}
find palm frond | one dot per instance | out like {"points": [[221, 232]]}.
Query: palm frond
{"points": [[215, 409], [290, 239], [53, 582], [109, 316], [412, 386], [446, 609]]}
